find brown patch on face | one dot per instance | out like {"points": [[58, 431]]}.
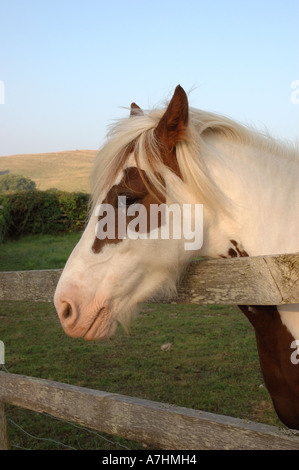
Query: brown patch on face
{"points": [[136, 187]]}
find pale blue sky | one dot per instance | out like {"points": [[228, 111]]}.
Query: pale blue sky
{"points": [[69, 66]]}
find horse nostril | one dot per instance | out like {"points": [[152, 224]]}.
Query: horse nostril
{"points": [[69, 315], [67, 312]]}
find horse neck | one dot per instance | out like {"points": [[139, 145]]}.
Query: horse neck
{"points": [[261, 185]]}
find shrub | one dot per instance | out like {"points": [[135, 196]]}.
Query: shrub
{"points": [[32, 212], [73, 206], [10, 183], [5, 217]]}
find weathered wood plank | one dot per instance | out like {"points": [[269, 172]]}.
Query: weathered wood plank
{"points": [[258, 280], [161, 425], [37, 285]]}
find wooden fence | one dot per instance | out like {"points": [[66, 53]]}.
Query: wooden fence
{"points": [[261, 280]]}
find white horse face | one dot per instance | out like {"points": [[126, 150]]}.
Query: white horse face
{"points": [[105, 279]]}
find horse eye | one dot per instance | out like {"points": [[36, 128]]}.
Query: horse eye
{"points": [[124, 200]]}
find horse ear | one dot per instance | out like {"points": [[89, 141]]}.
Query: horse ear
{"points": [[173, 124], [135, 110]]}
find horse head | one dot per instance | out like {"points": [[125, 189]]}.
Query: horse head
{"points": [[121, 259]]}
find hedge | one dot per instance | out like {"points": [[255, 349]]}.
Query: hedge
{"points": [[32, 212]]}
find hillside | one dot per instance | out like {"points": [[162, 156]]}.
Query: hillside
{"points": [[67, 170]]}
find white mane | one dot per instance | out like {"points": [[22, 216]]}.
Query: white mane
{"points": [[191, 153]]}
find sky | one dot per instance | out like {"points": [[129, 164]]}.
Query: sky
{"points": [[68, 69]]}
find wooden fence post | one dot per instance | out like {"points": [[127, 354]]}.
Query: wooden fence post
{"points": [[3, 428]]}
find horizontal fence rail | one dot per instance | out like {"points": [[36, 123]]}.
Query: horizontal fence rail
{"points": [[257, 280], [156, 424]]}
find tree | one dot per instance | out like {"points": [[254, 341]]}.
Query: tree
{"points": [[10, 183]]}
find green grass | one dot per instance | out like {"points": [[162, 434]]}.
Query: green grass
{"points": [[212, 365], [37, 252]]}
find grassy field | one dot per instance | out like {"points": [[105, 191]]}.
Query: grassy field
{"points": [[37, 252], [49, 170], [212, 365]]}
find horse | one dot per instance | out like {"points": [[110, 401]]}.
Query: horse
{"points": [[247, 184]]}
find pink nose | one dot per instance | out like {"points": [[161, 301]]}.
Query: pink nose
{"points": [[83, 316]]}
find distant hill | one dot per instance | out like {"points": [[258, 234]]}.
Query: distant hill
{"points": [[68, 171]]}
